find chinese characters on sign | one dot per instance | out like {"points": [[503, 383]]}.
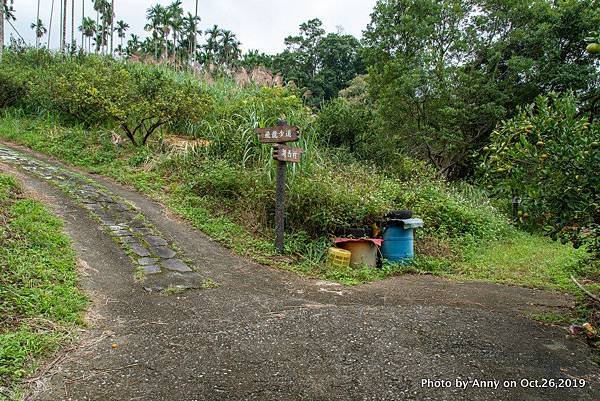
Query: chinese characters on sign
{"points": [[287, 154], [279, 134]]}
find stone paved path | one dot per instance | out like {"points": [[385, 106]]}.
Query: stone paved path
{"points": [[159, 265], [264, 334]]}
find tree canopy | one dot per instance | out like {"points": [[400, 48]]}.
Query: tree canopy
{"points": [[443, 73]]}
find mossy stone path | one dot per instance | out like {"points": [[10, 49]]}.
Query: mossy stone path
{"points": [[159, 264]]}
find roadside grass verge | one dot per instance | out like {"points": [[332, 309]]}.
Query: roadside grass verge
{"points": [[513, 257], [40, 303], [525, 260]]}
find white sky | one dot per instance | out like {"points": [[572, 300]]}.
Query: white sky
{"points": [[259, 24]]}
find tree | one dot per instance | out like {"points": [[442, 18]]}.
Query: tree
{"points": [[37, 18], [304, 45], [104, 17], [156, 99], [443, 73], [191, 32], [73, 40], [133, 45], [158, 24], [122, 27], [82, 18], [229, 51], [211, 47], [63, 42], [253, 58], [320, 64], [196, 31], [50, 23], [6, 13], [88, 29], [338, 62], [3, 6], [548, 156], [40, 31], [175, 21], [112, 26]]}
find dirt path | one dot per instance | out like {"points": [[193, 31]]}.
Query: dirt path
{"points": [[264, 334]]}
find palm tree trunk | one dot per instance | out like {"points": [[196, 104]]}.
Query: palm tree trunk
{"points": [[112, 26], [97, 22], [50, 24], [73, 43], [195, 36], [37, 21], [174, 43], [64, 26], [2, 4], [82, 30], [60, 13]]}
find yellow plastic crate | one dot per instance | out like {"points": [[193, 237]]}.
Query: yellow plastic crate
{"points": [[338, 258]]}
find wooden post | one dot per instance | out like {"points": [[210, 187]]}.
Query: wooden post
{"points": [[280, 201], [279, 136], [280, 206]]}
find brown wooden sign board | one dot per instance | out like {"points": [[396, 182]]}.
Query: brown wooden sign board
{"points": [[287, 154], [279, 134]]}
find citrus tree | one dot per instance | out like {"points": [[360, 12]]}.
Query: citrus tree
{"points": [[548, 155], [159, 97], [136, 98]]}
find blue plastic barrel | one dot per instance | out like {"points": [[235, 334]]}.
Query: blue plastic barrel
{"points": [[398, 243]]}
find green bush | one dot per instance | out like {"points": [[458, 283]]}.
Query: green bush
{"points": [[548, 155], [100, 91], [10, 90], [88, 93], [336, 196], [220, 179], [449, 214], [342, 124]]}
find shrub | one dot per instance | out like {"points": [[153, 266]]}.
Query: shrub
{"points": [[100, 91], [341, 124], [12, 90], [335, 196], [548, 155], [220, 179], [88, 93], [156, 98]]}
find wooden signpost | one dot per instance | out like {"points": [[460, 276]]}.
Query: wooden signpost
{"points": [[279, 135], [287, 154]]}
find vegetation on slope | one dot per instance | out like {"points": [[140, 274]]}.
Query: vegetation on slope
{"points": [[39, 299], [223, 179]]}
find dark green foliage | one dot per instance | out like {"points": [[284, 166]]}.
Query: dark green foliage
{"points": [[320, 65], [548, 155], [444, 73], [254, 58], [11, 90], [341, 124]]}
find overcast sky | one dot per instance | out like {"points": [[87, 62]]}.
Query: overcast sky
{"points": [[259, 24]]}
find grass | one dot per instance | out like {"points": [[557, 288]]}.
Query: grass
{"points": [[519, 258], [40, 302], [553, 318], [525, 260]]}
